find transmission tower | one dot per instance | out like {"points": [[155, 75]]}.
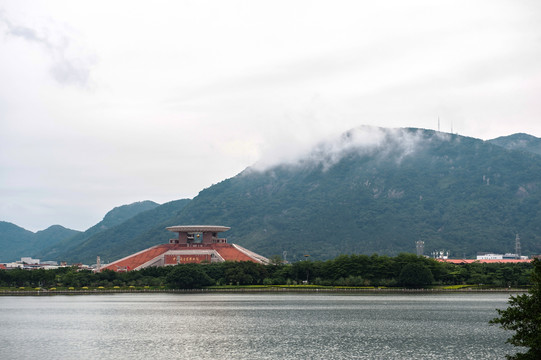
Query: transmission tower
{"points": [[517, 247]]}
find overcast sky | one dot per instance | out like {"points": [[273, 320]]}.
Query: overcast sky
{"points": [[104, 103]]}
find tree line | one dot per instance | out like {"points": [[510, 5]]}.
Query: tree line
{"points": [[404, 270]]}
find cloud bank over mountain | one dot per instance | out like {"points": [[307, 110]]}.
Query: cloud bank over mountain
{"points": [[382, 143]]}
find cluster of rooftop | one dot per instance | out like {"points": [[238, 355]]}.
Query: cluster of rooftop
{"points": [[29, 263], [486, 261], [507, 256], [482, 257]]}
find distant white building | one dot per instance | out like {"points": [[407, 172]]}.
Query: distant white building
{"points": [[491, 256], [13, 265], [50, 263], [441, 254], [29, 260]]}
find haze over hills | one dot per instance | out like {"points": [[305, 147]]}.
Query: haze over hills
{"points": [[370, 191]]}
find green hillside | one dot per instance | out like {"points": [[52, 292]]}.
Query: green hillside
{"points": [[134, 234], [370, 191], [455, 193], [16, 242], [56, 251], [521, 142], [52, 235]]}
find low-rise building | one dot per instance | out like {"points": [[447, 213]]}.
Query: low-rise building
{"points": [[492, 256]]}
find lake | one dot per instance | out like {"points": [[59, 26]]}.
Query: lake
{"points": [[253, 326]]}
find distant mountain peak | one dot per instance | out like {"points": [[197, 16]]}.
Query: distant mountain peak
{"points": [[16, 242], [519, 141], [53, 228], [385, 143], [124, 212], [116, 216]]}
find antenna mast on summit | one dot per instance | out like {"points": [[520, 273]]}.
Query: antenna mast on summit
{"points": [[438, 124]]}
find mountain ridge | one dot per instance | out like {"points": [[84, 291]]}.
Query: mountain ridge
{"points": [[453, 192], [17, 242], [127, 234], [370, 190], [115, 216], [519, 141]]}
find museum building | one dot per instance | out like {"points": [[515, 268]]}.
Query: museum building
{"points": [[194, 244]]}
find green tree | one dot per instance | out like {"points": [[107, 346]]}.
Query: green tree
{"points": [[188, 276], [276, 260], [415, 274], [524, 317]]}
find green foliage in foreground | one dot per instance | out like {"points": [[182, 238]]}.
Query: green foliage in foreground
{"points": [[405, 270], [524, 317]]}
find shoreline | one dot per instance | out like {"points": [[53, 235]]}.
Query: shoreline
{"points": [[255, 290]]}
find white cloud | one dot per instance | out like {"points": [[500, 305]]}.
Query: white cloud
{"points": [[64, 69], [382, 143]]}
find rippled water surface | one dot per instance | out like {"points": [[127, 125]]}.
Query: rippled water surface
{"points": [[261, 326]]}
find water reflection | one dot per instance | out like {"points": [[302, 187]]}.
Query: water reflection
{"points": [[261, 326]]}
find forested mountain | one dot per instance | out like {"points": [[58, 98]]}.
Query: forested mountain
{"points": [[522, 142], [16, 242], [132, 235], [380, 191], [114, 217], [370, 191], [52, 235], [12, 240]]}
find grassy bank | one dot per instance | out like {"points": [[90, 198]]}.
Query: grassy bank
{"points": [[21, 291]]}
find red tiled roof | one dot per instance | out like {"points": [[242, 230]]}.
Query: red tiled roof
{"points": [[227, 251], [138, 259], [2, 267]]}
